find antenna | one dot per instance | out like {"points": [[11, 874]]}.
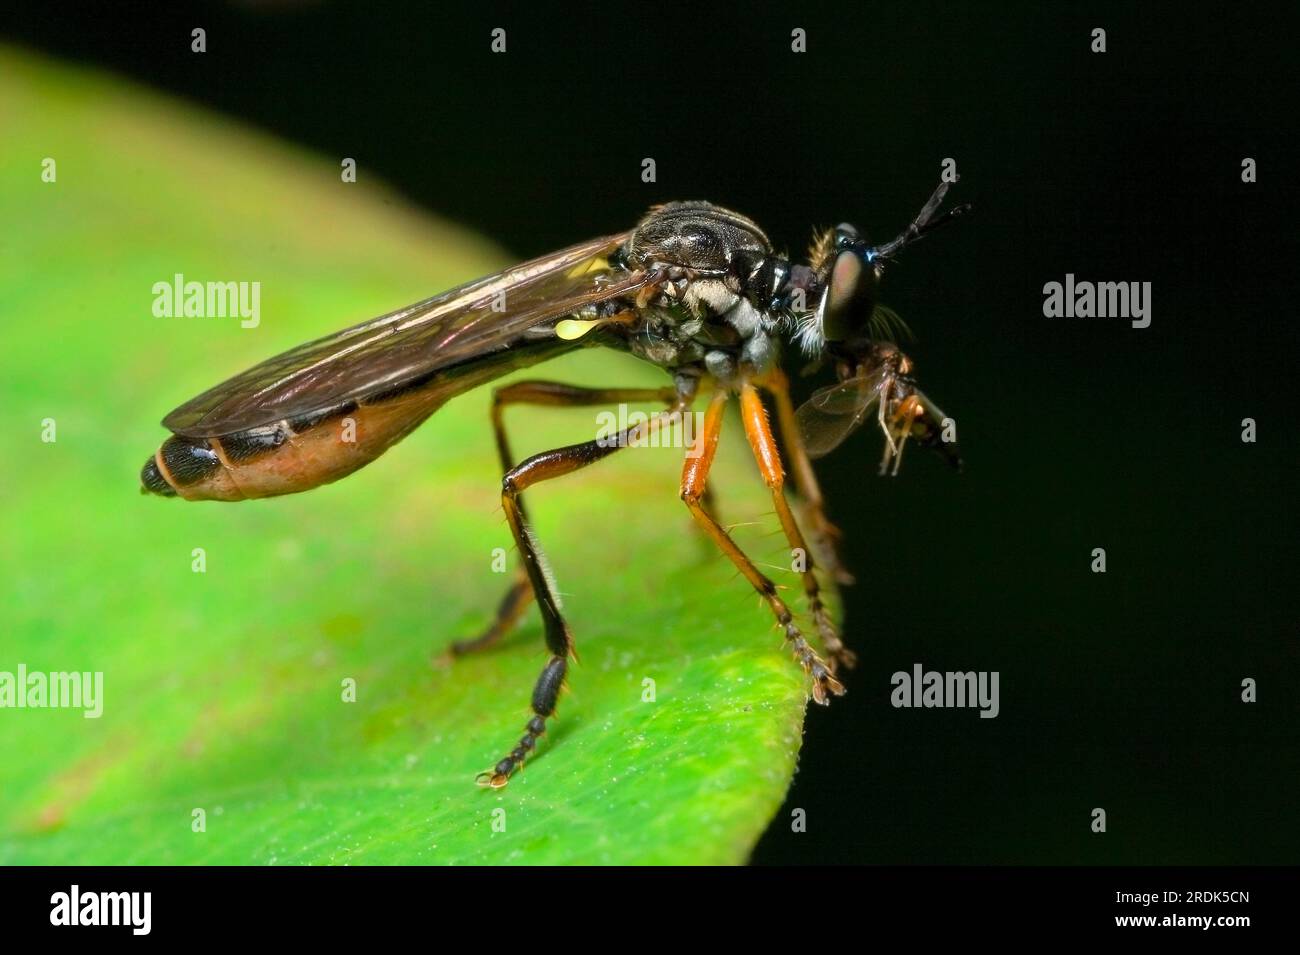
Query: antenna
{"points": [[921, 226]]}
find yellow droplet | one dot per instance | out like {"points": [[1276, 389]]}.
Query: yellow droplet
{"points": [[572, 328], [595, 264]]}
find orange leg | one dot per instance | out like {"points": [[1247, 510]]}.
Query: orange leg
{"points": [[695, 476], [827, 534], [768, 457]]}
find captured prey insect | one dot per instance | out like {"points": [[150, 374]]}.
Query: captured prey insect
{"points": [[695, 289]]}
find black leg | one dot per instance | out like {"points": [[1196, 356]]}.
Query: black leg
{"points": [[559, 641], [555, 394]]}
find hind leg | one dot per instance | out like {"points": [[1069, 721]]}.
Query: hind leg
{"points": [[559, 641], [559, 395]]}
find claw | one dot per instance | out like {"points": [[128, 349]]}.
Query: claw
{"points": [[491, 780], [823, 683], [814, 666]]}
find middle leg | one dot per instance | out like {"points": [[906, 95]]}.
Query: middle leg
{"points": [[777, 385], [695, 477]]}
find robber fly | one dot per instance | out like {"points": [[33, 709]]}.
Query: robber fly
{"points": [[695, 289]]}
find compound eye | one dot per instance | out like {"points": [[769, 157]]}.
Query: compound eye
{"points": [[845, 235], [847, 304], [850, 297]]}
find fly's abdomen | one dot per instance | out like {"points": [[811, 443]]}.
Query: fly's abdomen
{"points": [[286, 457]]}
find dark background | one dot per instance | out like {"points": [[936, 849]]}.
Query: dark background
{"points": [[1120, 690]]}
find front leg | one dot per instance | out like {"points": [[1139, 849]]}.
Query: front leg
{"points": [[828, 535], [769, 465]]}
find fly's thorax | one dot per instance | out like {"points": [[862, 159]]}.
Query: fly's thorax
{"points": [[752, 349], [739, 339], [721, 280], [709, 297], [756, 356], [698, 236], [664, 335]]}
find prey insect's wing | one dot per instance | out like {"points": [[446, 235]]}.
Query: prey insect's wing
{"points": [[405, 347], [833, 413]]}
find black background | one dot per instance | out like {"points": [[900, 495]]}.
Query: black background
{"points": [[1120, 690]]}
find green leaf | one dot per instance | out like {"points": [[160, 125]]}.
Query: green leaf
{"points": [[223, 689]]}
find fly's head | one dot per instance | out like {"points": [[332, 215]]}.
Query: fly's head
{"points": [[848, 271], [835, 298], [843, 321]]}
